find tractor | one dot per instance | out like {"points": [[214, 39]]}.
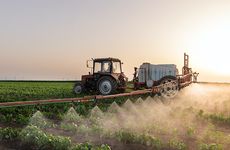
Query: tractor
{"points": [[106, 77]]}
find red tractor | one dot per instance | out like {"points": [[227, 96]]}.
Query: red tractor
{"points": [[106, 77]]}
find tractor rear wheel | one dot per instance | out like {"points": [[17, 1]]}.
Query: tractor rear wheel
{"points": [[78, 88], [106, 85], [169, 88]]}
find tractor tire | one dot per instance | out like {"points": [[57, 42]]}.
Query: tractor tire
{"points": [[78, 88], [169, 87], [106, 85]]}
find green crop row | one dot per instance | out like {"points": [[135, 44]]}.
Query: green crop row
{"points": [[23, 91], [16, 91], [34, 138], [130, 137], [88, 146], [212, 146], [43, 141], [37, 139], [9, 134], [215, 117], [21, 115], [156, 143]]}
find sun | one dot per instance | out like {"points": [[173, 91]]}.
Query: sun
{"points": [[211, 46]]}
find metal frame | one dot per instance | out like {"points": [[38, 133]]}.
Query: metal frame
{"points": [[80, 99]]}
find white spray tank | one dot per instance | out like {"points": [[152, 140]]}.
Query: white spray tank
{"points": [[148, 73]]}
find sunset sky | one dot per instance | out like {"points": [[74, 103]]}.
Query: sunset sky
{"points": [[52, 39]]}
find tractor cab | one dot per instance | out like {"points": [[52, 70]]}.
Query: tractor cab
{"points": [[107, 65], [106, 77]]}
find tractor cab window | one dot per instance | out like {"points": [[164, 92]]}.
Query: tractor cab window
{"points": [[97, 67], [116, 67], [104, 66]]}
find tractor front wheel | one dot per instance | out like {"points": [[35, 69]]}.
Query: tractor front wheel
{"points": [[78, 88], [107, 85]]}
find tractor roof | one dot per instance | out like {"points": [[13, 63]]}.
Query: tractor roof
{"points": [[106, 59]]}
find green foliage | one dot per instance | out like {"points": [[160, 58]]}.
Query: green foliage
{"points": [[69, 126], [220, 118], [125, 136], [71, 120], [33, 135], [215, 137], [88, 146], [96, 128], [27, 91], [190, 131], [212, 146], [24, 91], [214, 117], [103, 147], [59, 142], [200, 113], [82, 146], [39, 120], [176, 144], [83, 129], [130, 137], [150, 141], [14, 91], [8, 134], [72, 116]]}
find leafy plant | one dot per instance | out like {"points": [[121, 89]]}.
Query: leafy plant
{"points": [[212, 146], [129, 137], [69, 126], [125, 136], [33, 135], [176, 144], [88, 146], [8, 134], [82, 146], [149, 141], [190, 131], [40, 121]]}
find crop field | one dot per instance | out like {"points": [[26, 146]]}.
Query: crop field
{"points": [[197, 118]]}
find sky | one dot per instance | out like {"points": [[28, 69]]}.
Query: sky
{"points": [[52, 39]]}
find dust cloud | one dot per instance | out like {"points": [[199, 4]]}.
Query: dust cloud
{"points": [[181, 117]]}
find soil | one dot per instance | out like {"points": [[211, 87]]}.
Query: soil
{"points": [[15, 145]]}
